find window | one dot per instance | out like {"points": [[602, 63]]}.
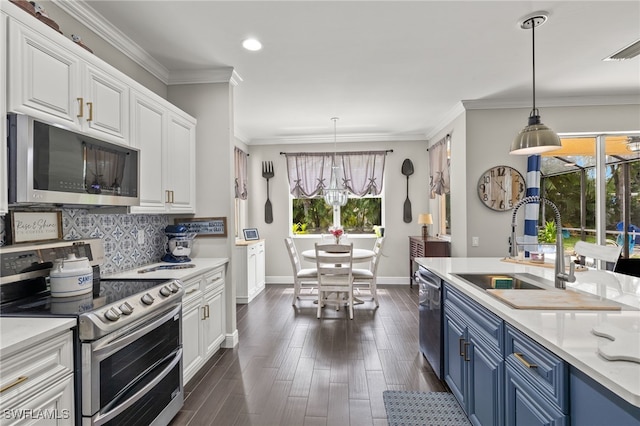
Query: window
{"points": [[309, 173], [315, 216], [568, 179]]}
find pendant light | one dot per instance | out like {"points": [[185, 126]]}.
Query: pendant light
{"points": [[336, 194], [633, 143], [535, 138]]}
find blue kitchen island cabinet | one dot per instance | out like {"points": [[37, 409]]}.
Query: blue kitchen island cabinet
{"points": [[593, 404], [536, 383], [474, 364]]}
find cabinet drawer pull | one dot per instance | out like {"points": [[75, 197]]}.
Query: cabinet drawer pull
{"points": [[90, 105], [207, 309], [81, 107], [466, 345], [460, 342], [192, 290], [204, 313], [14, 383], [524, 362], [166, 198]]}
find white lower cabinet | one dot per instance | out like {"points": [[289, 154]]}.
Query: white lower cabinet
{"points": [[37, 384], [250, 271], [203, 316]]}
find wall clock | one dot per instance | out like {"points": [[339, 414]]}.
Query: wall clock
{"points": [[501, 187]]}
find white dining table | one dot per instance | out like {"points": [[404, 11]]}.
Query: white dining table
{"points": [[359, 255]]}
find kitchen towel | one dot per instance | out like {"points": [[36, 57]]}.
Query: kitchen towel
{"points": [[423, 408]]}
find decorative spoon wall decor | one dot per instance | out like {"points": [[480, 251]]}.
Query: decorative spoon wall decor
{"points": [[407, 170]]}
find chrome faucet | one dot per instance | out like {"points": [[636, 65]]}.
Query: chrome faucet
{"points": [[561, 277]]}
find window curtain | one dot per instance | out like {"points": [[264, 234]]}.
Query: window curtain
{"points": [[309, 173], [439, 178], [240, 170]]}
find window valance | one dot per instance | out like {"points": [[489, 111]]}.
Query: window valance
{"points": [[309, 172]]}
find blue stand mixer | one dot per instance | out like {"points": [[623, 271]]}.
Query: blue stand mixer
{"points": [[178, 244]]}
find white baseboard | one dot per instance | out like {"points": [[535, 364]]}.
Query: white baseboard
{"points": [[231, 340]]}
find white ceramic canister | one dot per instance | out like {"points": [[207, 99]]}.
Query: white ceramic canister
{"points": [[71, 276]]}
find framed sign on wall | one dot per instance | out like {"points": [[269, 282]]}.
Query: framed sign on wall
{"points": [[204, 226], [35, 226]]}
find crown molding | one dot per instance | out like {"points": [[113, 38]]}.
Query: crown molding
{"points": [[89, 17], [569, 101], [211, 75], [356, 137], [446, 119]]}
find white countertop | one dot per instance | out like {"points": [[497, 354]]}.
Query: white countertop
{"points": [[567, 333], [201, 265], [18, 333]]}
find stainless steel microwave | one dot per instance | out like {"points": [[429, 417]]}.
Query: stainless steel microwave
{"points": [[48, 164]]}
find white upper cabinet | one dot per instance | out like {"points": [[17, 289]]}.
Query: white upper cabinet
{"points": [[167, 142], [52, 83], [180, 164], [148, 133]]}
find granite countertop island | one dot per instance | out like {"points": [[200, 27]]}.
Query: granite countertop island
{"points": [[567, 333]]}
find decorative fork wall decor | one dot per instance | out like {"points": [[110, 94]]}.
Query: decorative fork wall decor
{"points": [[267, 173]]}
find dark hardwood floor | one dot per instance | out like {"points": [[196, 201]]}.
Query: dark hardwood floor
{"points": [[291, 368]]}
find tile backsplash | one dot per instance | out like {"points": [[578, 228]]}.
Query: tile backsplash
{"points": [[120, 235]]}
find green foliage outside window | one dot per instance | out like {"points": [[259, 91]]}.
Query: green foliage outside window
{"points": [[315, 216]]}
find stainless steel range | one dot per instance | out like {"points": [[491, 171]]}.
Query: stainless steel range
{"points": [[128, 345]]}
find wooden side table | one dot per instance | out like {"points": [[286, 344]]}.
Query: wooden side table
{"points": [[426, 247]]}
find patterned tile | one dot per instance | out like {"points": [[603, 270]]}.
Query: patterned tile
{"points": [[119, 233]]}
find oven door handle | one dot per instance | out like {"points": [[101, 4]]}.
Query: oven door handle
{"points": [[105, 349], [117, 409], [430, 284]]}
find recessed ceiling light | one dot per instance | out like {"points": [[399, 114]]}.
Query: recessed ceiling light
{"points": [[252, 44]]}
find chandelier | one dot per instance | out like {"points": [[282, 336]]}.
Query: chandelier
{"points": [[336, 194]]}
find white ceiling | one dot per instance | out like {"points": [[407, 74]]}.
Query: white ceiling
{"points": [[390, 70]]}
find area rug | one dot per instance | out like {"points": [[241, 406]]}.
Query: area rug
{"points": [[423, 408]]}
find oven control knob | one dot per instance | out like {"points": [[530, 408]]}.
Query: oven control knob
{"points": [[147, 299], [174, 287], [165, 291], [126, 308], [112, 314]]}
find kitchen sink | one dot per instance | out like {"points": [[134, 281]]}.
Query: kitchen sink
{"points": [[522, 281]]}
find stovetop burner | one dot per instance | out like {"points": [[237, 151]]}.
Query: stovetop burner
{"points": [[111, 291]]}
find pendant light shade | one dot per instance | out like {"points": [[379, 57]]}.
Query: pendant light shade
{"points": [[336, 194], [535, 138], [633, 143]]}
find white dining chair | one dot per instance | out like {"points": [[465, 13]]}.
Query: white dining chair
{"points": [[302, 277], [597, 252], [334, 263], [367, 277]]}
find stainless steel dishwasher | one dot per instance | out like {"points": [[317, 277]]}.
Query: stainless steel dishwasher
{"points": [[430, 317]]}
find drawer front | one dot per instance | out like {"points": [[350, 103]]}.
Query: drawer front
{"points": [[214, 279], [35, 368], [548, 373], [489, 327], [191, 290]]}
